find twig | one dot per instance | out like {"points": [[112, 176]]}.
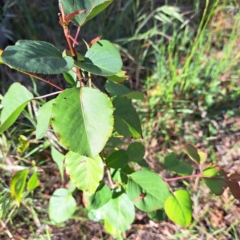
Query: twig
{"points": [[110, 178], [48, 95], [6, 229]]}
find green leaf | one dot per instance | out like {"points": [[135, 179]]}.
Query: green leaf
{"points": [[216, 180], [120, 212], [147, 190], [33, 181], [62, 206], [115, 142], [115, 89], [135, 95], [1, 51], [143, 164], [119, 77], [83, 120], [17, 185], [14, 101], [99, 198], [58, 158], [117, 159], [157, 216], [120, 175], [172, 163], [36, 57], [91, 7], [195, 154], [85, 173], [23, 144], [127, 122], [43, 119], [71, 77], [178, 207], [112, 230], [136, 152], [102, 59]]}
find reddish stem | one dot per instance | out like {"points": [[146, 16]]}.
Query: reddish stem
{"points": [[199, 175], [42, 79], [76, 36], [182, 177], [67, 36]]}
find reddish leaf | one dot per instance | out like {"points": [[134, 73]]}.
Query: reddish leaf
{"points": [[95, 40], [235, 189], [72, 15], [234, 185], [235, 177]]}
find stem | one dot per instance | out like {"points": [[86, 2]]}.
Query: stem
{"points": [[66, 31], [42, 79], [72, 50], [199, 175], [7, 231], [31, 211], [110, 178], [183, 177], [48, 95], [76, 36]]}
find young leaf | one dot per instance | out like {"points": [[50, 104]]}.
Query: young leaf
{"points": [[216, 180], [127, 121], [147, 190], [43, 119], [17, 185], [135, 152], [83, 120], [33, 181], [71, 77], [14, 101], [23, 144], [117, 159], [120, 212], [178, 207], [58, 158], [91, 7], [192, 152], [119, 77], [85, 173], [62, 206], [102, 59], [36, 57], [115, 89], [99, 198], [195, 154], [171, 163]]}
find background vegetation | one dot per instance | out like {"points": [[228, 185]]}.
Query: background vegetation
{"points": [[184, 55]]}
